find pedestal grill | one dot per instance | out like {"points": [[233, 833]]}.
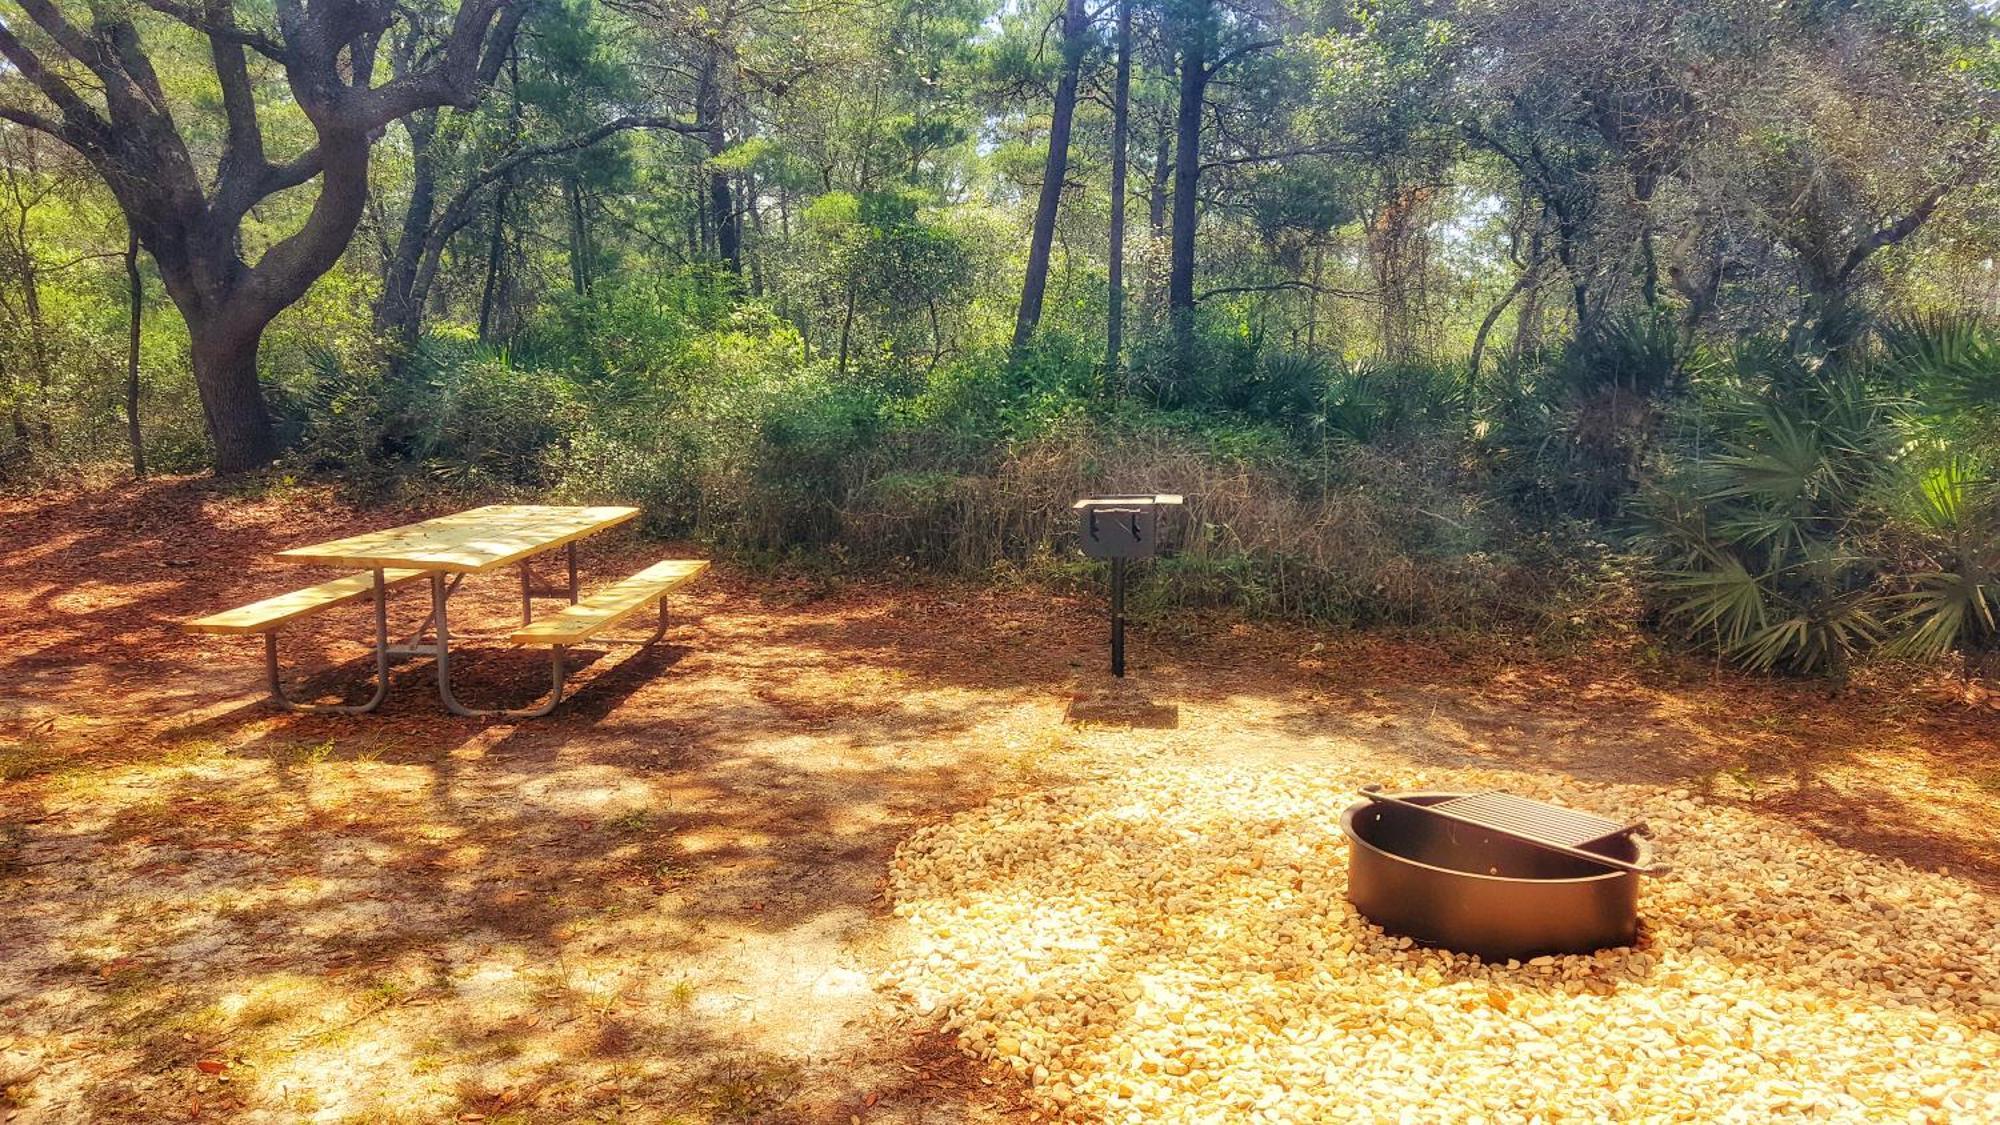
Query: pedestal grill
{"points": [[1120, 528]]}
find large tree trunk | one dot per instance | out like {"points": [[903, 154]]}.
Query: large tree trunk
{"points": [[191, 218], [1194, 78], [1121, 106], [1055, 169], [232, 403]]}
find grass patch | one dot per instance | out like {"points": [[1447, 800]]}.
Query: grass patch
{"points": [[28, 758]]}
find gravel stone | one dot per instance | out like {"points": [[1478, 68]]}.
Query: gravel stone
{"points": [[1174, 944]]}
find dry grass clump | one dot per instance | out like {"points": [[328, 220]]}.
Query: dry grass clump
{"points": [[1359, 536], [1174, 944]]}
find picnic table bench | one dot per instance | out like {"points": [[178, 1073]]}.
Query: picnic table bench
{"points": [[445, 550]]}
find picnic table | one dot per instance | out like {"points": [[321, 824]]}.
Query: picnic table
{"points": [[446, 550]]}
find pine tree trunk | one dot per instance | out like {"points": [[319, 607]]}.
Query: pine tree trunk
{"points": [[1194, 78], [1163, 171], [1121, 103], [1055, 169], [496, 258]]}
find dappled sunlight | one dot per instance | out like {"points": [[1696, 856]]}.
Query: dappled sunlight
{"points": [[667, 897], [1174, 944]]}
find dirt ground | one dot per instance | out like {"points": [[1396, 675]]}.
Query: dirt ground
{"points": [[666, 901]]}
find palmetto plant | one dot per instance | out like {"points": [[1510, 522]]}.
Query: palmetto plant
{"points": [[1951, 362], [1848, 507], [1947, 502], [1953, 507], [1762, 547]]}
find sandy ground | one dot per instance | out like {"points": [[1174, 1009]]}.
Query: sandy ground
{"points": [[666, 902]]}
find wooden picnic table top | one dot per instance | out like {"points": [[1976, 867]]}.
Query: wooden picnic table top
{"points": [[473, 540]]}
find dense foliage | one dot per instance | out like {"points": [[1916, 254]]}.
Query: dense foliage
{"points": [[1463, 313]]}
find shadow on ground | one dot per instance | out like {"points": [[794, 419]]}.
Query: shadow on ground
{"points": [[667, 897]]}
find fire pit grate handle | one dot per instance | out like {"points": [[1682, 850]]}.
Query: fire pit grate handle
{"points": [[1536, 823]]}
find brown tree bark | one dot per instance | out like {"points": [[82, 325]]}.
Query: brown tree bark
{"points": [[191, 223], [1121, 113], [136, 297], [1055, 170], [1194, 76]]}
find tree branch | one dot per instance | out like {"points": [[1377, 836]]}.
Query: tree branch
{"points": [[30, 120], [472, 57], [1269, 157], [72, 41], [1227, 57], [84, 124], [243, 160], [458, 211], [1279, 286], [1897, 231], [581, 140], [225, 28]]}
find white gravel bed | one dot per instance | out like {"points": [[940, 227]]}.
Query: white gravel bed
{"points": [[1173, 944]]}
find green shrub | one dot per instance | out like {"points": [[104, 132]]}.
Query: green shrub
{"points": [[463, 415]]}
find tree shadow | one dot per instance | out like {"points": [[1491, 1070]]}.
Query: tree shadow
{"points": [[392, 896]]}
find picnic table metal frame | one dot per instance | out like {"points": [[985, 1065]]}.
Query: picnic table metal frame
{"points": [[277, 685], [433, 636]]}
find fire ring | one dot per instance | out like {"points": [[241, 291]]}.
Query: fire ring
{"points": [[1448, 882]]}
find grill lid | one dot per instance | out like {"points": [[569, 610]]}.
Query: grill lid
{"points": [[1538, 823]]}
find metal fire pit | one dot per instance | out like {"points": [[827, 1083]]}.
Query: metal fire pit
{"points": [[1444, 880]]}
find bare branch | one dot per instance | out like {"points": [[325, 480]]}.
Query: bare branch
{"points": [[1897, 231], [84, 124], [68, 37], [1274, 157], [29, 120], [1280, 286], [1227, 57], [224, 28], [573, 143]]}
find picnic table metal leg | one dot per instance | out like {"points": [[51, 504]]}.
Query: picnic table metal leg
{"points": [[413, 645], [527, 594], [569, 551], [276, 684], [557, 671]]}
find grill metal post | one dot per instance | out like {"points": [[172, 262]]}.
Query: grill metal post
{"points": [[1118, 618]]}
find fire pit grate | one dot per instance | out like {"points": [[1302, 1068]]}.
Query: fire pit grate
{"points": [[1530, 819], [1536, 823]]}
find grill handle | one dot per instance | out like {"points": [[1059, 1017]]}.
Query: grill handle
{"points": [[1375, 793]]}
